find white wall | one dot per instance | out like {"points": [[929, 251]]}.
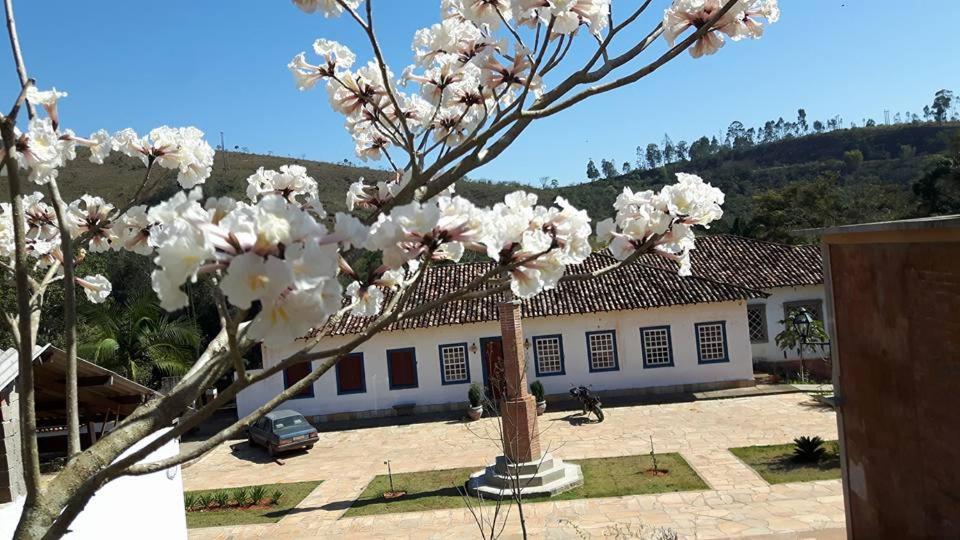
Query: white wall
{"points": [[145, 507], [631, 373], [768, 350]]}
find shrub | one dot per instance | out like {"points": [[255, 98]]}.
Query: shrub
{"points": [[221, 498], [257, 494], [203, 501], [240, 496], [536, 388], [475, 395], [189, 501], [275, 498], [808, 449]]}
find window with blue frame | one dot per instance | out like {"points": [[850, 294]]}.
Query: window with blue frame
{"points": [[294, 374], [454, 364], [350, 375], [711, 342], [656, 346], [548, 355], [402, 368], [602, 350]]}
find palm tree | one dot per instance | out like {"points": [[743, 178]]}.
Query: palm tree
{"points": [[137, 339]]}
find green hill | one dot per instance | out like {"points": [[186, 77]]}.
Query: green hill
{"points": [[119, 176], [759, 180], [772, 189], [838, 177]]}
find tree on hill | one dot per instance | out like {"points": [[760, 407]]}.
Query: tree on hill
{"points": [[669, 151], [802, 120], [800, 205], [852, 160], [818, 126], [608, 168], [938, 189], [592, 172], [682, 150], [654, 156], [626, 167], [735, 132], [942, 101], [700, 149]]}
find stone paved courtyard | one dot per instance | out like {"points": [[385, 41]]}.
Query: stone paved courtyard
{"points": [[739, 502]]}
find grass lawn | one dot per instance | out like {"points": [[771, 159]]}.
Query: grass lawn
{"points": [[603, 477], [775, 465], [293, 493]]}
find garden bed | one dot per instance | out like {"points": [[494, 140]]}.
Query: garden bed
{"points": [[603, 477], [217, 507], [775, 463]]}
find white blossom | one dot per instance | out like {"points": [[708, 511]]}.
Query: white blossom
{"points": [[96, 287], [290, 182], [742, 20], [181, 149], [366, 301], [329, 8], [92, 216], [39, 150]]}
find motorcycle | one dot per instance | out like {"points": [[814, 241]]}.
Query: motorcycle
{"points": [[588, 400]]}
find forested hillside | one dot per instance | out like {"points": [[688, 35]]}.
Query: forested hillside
{"points": [[837, 177], [842, 176]]}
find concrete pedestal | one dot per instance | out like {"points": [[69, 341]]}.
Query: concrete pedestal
{"points": [[547, 476]]}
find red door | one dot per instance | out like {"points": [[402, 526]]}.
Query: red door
{"points": [[493, 376]]}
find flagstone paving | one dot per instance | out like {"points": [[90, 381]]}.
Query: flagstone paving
{"points": [[739, 502]]}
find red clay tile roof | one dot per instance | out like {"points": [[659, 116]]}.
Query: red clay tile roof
{"points": [[751, 263], [636, 286]]}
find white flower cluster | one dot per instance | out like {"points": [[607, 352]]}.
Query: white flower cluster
{"points": [[272, 251], [535, 243], [43, 149], [291, 182], [663, 221], [180, 149], [43, 242], [464, 70], [744, 19], [329, 8]]}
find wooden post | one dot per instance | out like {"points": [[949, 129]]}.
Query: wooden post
{"points": [[92, 432]]}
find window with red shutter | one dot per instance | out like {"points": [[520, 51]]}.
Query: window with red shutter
{"points": [[293, 374], [350, 376], [402, 368]]}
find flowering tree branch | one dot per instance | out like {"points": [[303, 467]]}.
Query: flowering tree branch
{"points": [[280, 265]]}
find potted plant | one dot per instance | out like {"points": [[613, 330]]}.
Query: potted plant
{"points": [[475, 395], [536, 388]]}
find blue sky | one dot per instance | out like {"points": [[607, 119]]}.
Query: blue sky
{"points": [[221, 66]]}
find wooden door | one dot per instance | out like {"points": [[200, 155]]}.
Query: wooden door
{"points": [[493, 374]]}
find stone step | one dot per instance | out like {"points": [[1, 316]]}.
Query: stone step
{"points": [[496, 478]]}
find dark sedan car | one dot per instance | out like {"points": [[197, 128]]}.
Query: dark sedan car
{"points": [[280, 431]]}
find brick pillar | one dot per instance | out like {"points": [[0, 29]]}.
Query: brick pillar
{"points": [[518, 409]]}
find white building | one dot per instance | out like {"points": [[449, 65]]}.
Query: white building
{"points": [[641, 329], [790, 276]]}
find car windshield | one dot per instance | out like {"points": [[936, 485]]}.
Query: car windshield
{"points": [[289, 423]]}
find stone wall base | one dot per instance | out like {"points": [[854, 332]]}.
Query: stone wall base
{"points": [[461, 407]]}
